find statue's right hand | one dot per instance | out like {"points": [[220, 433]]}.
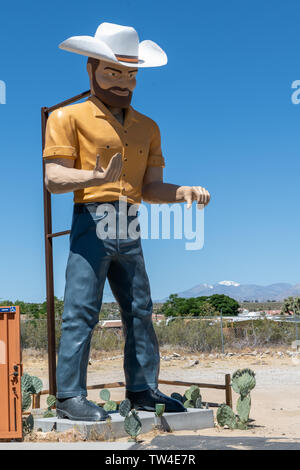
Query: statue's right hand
{"points": [[113, 171]]}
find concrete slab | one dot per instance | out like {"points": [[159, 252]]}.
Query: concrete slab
{"points": [[194, 419]]}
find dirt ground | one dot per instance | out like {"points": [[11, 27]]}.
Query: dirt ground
{"points": [[275, 407]]}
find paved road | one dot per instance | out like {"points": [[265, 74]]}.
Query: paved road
{"points": [[218, 443]]}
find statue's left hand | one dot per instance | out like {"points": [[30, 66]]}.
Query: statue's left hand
{"points": [[193, 193]]}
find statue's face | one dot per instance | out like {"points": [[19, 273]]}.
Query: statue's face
{"points": [[112, 83]]}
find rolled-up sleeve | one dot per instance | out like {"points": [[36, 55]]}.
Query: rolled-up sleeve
{"points": [[155, 157], [61, 138]]}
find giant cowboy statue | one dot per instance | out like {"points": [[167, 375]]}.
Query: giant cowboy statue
{"points": [[104, 150]]}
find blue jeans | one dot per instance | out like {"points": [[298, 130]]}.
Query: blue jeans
{"points": [[91, 260]]}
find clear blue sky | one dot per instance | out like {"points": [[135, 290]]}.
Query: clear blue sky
{"points": [[223, 104]]}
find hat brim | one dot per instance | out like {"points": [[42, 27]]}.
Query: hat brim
{"points": [[150, 54]]}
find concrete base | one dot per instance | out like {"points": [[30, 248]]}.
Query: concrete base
{"points": [[195, 418]]}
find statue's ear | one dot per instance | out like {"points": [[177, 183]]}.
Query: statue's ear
{"points": [[89, 69]]}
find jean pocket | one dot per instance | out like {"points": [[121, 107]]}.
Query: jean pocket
{"points": [[97, 217]]}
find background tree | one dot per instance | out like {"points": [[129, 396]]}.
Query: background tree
{"points": [[291, 306], [199, 306]]}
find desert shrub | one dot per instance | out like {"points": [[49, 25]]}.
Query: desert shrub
{"points": [[34, 333], [107, 339], [194, 335], [205, 336], [261, 332]]}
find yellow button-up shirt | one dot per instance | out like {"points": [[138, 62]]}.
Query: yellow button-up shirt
{"points": [[84, 130]]}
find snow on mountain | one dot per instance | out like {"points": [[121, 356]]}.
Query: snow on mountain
{"points": [[229, 283], [244, 292]]}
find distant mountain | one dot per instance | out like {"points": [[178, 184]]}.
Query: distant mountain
{"points": [[240, 292]]}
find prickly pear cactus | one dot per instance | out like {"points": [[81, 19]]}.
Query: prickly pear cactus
{"points": [[125, 407], [159, 409], [240, 425], [243, 408], [133, 425], [26, 400], [193, 393], [192, 398], [177, 396], [226, 417], [51, 401], [110, 405], [198, 403], [189, 404], [243, 381], [26, 383], [105, 394], [37, 385], [28, 424]]}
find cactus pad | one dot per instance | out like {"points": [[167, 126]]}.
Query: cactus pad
{"points": [[193, 393], [132, 424], [243, 381], [159, 409], [226, 417], [37, 385], [51, 401], [110, 406], [26, 401], [28, 424], [243, 408], [26, 382], [198, 403], [189, 404], [125, 407], [105, 394]]}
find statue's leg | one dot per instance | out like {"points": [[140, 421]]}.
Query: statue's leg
{"points": [[130, 285], [85, 277]]}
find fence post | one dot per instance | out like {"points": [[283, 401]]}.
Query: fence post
{"points": [[297, 336], [36, 400], [222, 335], [228, 391]]}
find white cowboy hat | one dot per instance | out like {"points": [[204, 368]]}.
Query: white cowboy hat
{"points": [[118, 44]]}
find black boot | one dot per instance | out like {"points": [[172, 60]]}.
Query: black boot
{"points": [[79, 409], [147, 399]]}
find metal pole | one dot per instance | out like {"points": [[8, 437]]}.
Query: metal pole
{"points": [[49, 250], [222, 335], [49, 272]]}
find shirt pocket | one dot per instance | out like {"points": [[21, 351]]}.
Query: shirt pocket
{"points": [[106, 153], [141, 153]]}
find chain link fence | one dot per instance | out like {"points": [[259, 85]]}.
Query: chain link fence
{"points": [[194, 334]]}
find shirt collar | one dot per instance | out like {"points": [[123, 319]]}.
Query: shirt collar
{"points": [[101, 111]]}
